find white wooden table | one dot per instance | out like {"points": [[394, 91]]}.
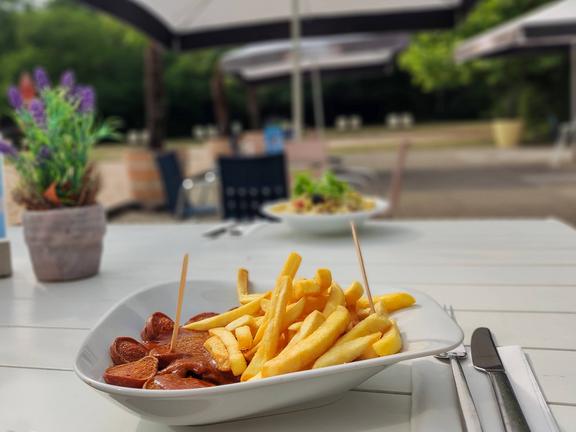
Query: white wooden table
{"points": [[516, 277]]}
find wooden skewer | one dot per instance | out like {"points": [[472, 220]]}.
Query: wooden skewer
{"points": [[183, 274], [362, 266]]}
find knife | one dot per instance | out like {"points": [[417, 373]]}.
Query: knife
{"points": [[486, 359]]}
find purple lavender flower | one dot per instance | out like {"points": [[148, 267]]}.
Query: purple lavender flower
{"points": [[41, 78], [68, 80], [44, 154], [7, 149], [36, 108], [15, 97], [86, 99]]}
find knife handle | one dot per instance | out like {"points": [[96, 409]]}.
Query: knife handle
{"points": [[467, 406], [512, 415]]}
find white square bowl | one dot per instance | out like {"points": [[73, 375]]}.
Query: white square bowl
{"points": [[425, 329]]}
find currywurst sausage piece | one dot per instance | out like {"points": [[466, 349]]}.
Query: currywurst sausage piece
{"points": [[133, 374], [126, 350], [158, 326]]}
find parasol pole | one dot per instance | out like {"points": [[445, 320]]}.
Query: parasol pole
{"points": [[318, 100], [297, 116], [573, 80]]}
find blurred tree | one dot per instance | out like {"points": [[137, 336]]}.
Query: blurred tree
{"points": [[515, 83], [61, 34], [101, 51]]}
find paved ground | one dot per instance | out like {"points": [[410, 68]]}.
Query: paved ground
{"points": [[484, 183]]}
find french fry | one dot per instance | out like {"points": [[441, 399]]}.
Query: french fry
{"points": [[315, 303], [293, 313], [255, 365], [307, 327], [291, 333], [265, 304], [237, 360], [379, 308], [291, 265], [261, 330], [306, 287], [390, 343], [249, 355], [247, 298], [354, 319], [277, 319], [268, 333], [295, 327], [242, 283], [244, 320], [370, 325], [298, 308], [323, 278], [219, 353], [347, 351], [393, 301], [256, 377], [368, 353], [244, 337], [226, 318], [259, 320], [335, 299], [353, 293], [364, 313], [310, 348]]}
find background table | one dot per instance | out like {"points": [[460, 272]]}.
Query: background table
{"points": [[516, 277]]}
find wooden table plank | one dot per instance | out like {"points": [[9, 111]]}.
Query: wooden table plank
{"points": [[565, 417], [529, 330]]}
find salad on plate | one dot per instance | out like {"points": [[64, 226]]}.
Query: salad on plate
{"points": [[325, 195]]}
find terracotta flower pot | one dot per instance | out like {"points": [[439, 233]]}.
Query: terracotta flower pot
{"points": [[65, 244]]}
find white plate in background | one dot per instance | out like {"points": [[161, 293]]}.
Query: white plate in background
{"points": [[326, 223]]}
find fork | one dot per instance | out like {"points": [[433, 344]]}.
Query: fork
{"points": [[468, 410]]}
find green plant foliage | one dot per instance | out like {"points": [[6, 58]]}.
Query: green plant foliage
{"points": [[511, 81]]}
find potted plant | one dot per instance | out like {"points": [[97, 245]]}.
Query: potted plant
{"points": [[63, 225], [507, 126]]}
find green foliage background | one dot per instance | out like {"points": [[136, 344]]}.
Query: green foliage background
{"points": [[108, 54], [532, 86]]}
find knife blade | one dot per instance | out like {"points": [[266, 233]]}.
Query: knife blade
{"points": [[486, 359]]}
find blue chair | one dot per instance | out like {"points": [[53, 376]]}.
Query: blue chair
{"points": [[177, 188], [249, 182], [274, 139]]}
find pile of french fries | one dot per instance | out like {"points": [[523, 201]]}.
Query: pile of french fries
{"points": [[301, 324]]}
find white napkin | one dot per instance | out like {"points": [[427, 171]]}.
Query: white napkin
{"points": [[435, 403]]}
